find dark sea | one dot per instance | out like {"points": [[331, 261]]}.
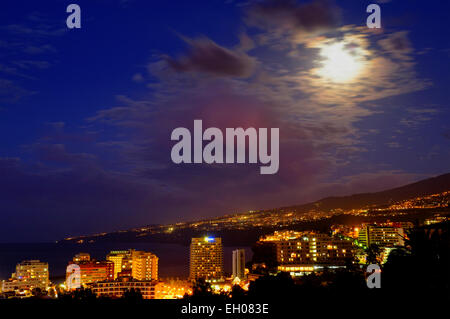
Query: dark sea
{"points": [[173, 258]]}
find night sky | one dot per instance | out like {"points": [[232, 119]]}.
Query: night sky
{"points": [[86, 114]]}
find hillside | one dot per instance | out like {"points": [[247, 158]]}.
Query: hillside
{"points": [[421, 199], [424, 187]]}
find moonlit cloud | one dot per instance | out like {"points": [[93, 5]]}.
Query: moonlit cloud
{"points": [[208, 57], [288, 89], [286, 18], [316, 115]]}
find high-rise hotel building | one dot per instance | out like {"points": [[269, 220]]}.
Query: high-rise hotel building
{"points": [[122, 260], [206, 259], [144, 265], [238, 263]]}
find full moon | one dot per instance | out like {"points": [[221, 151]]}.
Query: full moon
{"points": [[340, 64]]}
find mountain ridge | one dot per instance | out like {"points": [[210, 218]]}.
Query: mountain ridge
{"points": [[428, 186]]}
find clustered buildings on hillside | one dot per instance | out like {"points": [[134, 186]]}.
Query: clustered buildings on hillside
{"points": [[385, 236]]}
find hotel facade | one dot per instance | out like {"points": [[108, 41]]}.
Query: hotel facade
{"points": [[301, 253], [122, 260], [206, 259], [381, 236], [144, 265], [82, 271], [117, 288], [29, 274], [238, 264]]}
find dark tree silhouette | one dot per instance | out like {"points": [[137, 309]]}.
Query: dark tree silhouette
{"points": [[37, 293], [265, 253], [372, 254], [274, 287], [237, 292], [83, 294], [423, 267], [202, 288]]}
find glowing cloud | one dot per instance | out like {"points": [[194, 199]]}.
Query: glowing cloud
{"points": [[340, 64]]}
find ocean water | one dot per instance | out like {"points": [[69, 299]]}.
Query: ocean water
{"points": [[173, 258]]}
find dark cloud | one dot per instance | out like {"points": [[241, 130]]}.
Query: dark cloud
{"points": [[206, 56], [290, 16], [396, 43]]}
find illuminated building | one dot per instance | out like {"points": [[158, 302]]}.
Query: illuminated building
{"points": [[87, 272], [346, 230], [122, 260], [435, 220], [96, 271], [116, 288], [304, 252], [81, 257], [381, 236], [29, 274], [124, 273], [144, 265], [300, 269], [363, 236], [206, 259], [238, 263], [404, 225]]}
